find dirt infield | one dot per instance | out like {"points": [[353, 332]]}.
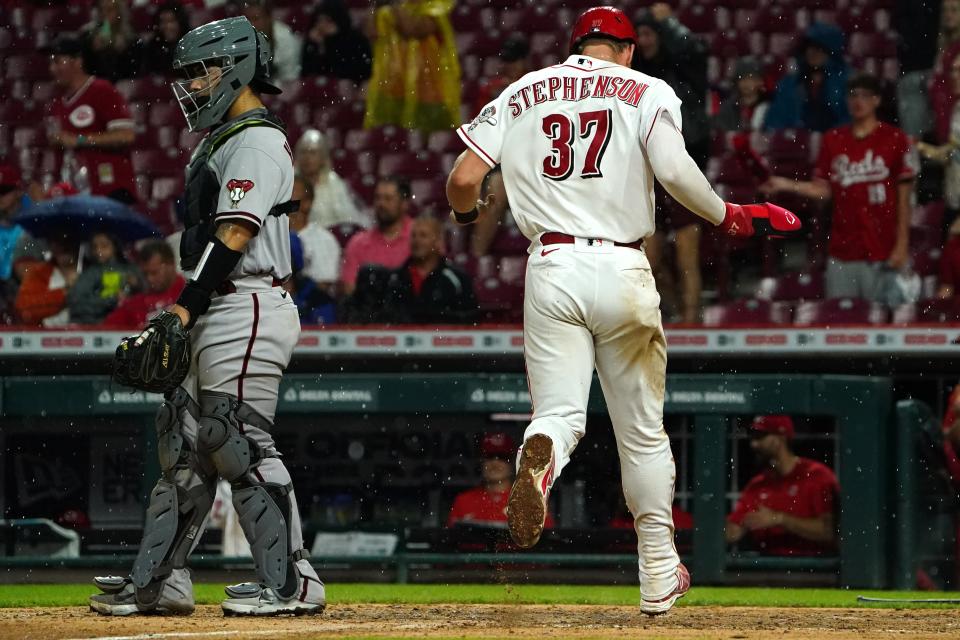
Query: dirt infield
{"points": [[493, 621]]}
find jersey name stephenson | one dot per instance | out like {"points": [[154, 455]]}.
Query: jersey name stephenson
{"points": [[571, 140]]}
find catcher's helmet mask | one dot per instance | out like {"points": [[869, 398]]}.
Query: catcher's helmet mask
{"points": [[225, 55]]}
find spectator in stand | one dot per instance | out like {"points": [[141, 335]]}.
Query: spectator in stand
{"points": [[109, 41], [333, 202], [486, 505], [388, 242], [92, 124], [416, 72], [788, 509], [427, 289], [948, 154], [334, 47], [163, 287], [321, 251], [12, 201], [154, 54], [950, 264], [514, 64], [812, 97], [942, 93], [286, 44], [668, 50], [746, 107], [916, 23], [42, 298], [867, 168], [102, 283]]}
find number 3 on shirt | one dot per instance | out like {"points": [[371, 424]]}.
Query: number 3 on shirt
{"points": [[594, 125]]}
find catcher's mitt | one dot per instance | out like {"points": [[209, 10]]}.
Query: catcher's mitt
{"points": [[157, 359]]}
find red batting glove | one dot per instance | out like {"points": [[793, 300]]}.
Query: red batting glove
{"points": [[748, 220]]}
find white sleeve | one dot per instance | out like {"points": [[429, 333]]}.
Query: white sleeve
{"points": [[484, 134], [658, 100], [678, 173]]}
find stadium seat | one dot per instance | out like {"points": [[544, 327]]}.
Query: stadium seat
{"points": [[512, 269], [874, 45], [938, 311], [29, 137], [509, 242], [839, 311], [31, 67], [746, 312], [928, 215], [344, 231], [166, 188], [430, 195], [791, 286], [156, 162], [411, 165], [163, 114], [499, 301], [145, 89], [926, 262]]}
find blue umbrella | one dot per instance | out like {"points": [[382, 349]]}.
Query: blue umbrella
{"points": [[82, 216]]}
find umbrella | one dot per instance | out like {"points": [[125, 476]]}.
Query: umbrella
{"points": [[82, 216]]}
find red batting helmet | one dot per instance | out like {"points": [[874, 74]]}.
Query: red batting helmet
{"points": [[607, 22]]}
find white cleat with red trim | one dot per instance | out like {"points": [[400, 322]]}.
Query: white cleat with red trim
{"points": [[658, 606], [527, 506], [252, 599]]}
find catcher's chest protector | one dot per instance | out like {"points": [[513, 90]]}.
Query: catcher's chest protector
{"points": [[203, 188]]}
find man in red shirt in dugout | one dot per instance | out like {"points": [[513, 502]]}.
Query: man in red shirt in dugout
{"points": [[788, 508], [486, 505]]}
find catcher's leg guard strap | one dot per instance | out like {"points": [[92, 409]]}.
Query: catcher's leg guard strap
{"points": [[264, 512], [174, 518], [220, 439], [171, 448]]}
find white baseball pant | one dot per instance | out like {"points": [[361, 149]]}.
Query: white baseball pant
{"points": [[592, 305]]}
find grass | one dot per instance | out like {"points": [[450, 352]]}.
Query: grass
{"points": [[63, 595]]}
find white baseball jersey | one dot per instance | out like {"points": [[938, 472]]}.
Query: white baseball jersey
{"points": [[571, 140], [255, 170]]}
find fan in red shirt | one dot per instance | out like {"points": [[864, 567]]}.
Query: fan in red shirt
{"points": [[91, 123], [486, 505], [867, 168], [787, 509], [163, 287]]}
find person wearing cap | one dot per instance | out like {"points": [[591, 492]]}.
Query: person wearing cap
{"points": [[746, 107], [91, 123], [333, 201], [867, 168], [514, 64], [788, 509], [486, 505]]}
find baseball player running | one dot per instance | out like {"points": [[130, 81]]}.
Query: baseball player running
{"points": [[221, 394], [580, 144]]}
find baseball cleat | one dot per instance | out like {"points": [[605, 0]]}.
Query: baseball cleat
{"points": [[660, 606], [527, 506], [119, 598], [252, 599]]}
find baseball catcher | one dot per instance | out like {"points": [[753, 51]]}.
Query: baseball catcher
{"points": [[220, 396]]}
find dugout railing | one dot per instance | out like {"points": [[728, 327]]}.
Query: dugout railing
{"points": [[861, 408]]}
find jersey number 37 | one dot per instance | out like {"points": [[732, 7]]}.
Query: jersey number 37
{"points": [[563, 132]]}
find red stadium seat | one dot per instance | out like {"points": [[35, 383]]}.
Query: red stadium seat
{"points": [[156, 162], [429, 194], [509, 242], [164, 114], [166, 188], [928, 215], [145, 89], [512, 269], [746, 312], [872, 45], [444, 142], [411, 165], [29, 137], [938, 311], [839, 311], [44, 92], [927, 261], [792, 286], [344, 231], [499, 301], [31, 67]]}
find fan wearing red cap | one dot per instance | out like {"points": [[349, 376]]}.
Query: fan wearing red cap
{"points": [[486, 505], [788, 509]]}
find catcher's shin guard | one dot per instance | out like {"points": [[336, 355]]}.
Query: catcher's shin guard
{"points": [[178, 504], [263, 507]]}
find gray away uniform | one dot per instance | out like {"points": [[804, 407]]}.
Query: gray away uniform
{"points": [[218, 423]]}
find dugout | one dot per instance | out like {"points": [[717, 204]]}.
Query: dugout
{"points": [[708, 406]]}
